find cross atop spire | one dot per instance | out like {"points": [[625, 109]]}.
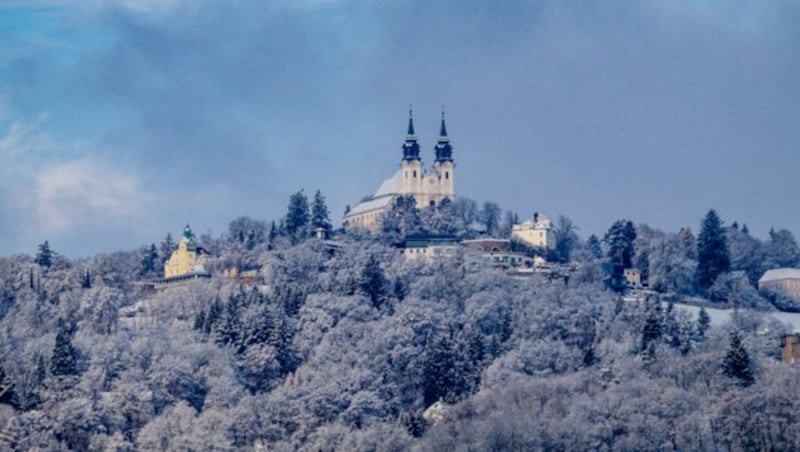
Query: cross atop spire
{"points": [[411, 147], [442, 129], [410, 121]]}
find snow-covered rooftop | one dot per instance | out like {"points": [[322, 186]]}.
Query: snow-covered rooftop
{"points": [[391, 186], [370, 205], [778, 274]]}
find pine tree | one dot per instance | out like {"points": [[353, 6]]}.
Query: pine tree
{"points": [[297, 217], [671, 329], [373, 282], [165, 250], [437, 372], [64, 359], [149, 260], [273, 234], [619, 239], [319, 213], [213, 316], [651, 331], [86, 280], [593, 243], [7, 393], [44, 256], [199, 321], [713, 257], [703, 322], [736, 363]]}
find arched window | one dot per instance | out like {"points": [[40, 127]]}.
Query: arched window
{"points": [[415, 174], [447, 174], [433, 203]]}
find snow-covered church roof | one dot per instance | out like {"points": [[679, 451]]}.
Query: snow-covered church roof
{"points": [[391, 186], [370, 205], [382, 198]]}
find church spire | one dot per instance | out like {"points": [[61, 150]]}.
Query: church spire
{"points": [[411, 147], [444, 152]]}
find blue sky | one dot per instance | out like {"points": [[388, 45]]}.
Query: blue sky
{"points": [[121, 121]]}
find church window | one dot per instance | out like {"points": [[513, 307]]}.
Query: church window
{"points": [[447, 174], [415, 174], [433, 203]]}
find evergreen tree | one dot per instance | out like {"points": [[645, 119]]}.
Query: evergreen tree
{"points": [[736, 363], [199, 321], [651, 331], [149, 260], [670, 327], [685, 331], [273, 233], [213, 316], [619, 239], [703, 322], [86, 280], [593, 243], [712, 250], [7, 393], [438, 364], [782, 249], [297, 217], [373, 282], [63, 362], [165, 250], [44, 256], [319, 213]]}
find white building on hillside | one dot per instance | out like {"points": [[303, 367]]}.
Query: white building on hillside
{"points": [[535, 232], [428, 186]]}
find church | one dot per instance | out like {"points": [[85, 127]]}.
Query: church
{"points": [[428, 186]]}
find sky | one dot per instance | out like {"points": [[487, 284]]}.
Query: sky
{"points": [[121, 121]]}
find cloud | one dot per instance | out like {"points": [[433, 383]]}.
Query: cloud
{"points": [[83, 192], [48, 188]]}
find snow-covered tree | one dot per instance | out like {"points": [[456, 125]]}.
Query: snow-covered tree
{"points": [[713, 257], [737, 363]]}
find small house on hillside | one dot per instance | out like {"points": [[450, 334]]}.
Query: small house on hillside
{"points": [[781, 281], [790, 348]]}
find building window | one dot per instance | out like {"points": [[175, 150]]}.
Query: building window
{"points": [[415, 174], [433, 203], [447, 174]]}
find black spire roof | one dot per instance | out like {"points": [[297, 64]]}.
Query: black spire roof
{"points": [[444, 152], [411, 147]]}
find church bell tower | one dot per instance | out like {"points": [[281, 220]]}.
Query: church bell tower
{"points": [[411, 163], [443, 165]]}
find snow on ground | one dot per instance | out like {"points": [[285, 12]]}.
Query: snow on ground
{"points": [[721, 316]]}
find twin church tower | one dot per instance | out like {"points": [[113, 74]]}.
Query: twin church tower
{"points": [[428, 187]]}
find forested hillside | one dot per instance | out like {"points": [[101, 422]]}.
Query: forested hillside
{"points": [[343, 345]]}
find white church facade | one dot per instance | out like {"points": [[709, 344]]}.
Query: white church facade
{"points": [[429, 187]]}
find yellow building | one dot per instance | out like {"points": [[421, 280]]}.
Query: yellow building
{"points": [[790, 348], [188, 258], [535, 232], [428, 187]]}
